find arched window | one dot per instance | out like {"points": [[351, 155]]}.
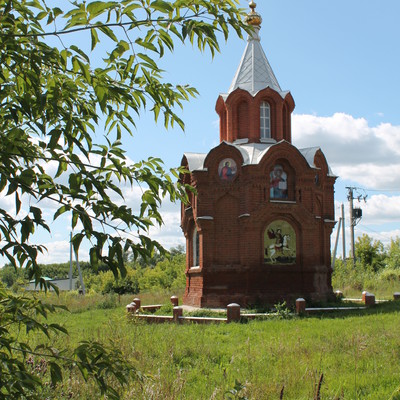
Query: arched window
{"points": [[196, 247], [265, 120]]}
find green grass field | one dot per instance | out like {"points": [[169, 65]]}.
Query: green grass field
{"points": [[355, 356]]}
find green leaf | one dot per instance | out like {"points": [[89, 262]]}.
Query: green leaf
{"points": [[108, 32], [37, 213], [148, 60], [162, 6], [57, 11], [98, 7], [59, 328], [85, 70], [94, 257], [12, 187], [17, 203], [3, 182], [61, 211], [55, 373], [75, 181], [95, 38], [147, 45]]}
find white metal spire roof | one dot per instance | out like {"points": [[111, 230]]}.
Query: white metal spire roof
{"points": [[255, 72]]}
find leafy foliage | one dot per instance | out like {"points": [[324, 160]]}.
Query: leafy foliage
{"points": [[369, 252], [27, 372], [53, 99], [393, 254], [167, 274], [235, 392], [376, 269]]}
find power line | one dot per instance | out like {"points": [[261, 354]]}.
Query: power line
{"points": [[378, 190], [382, 235]]}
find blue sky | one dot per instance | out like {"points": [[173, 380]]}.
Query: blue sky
{"points": [[341, 62]]}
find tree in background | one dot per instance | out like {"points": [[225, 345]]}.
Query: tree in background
{"points": [[370, 252], [52, 99], [393, 254], [377, 267]]}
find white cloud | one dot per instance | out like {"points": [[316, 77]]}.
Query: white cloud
{"points": [[378, 209], [380, 218], [390, 135], [381, 209], [354, 150], [391, 234], [170, 234], [7, 203], [383, 236], [59, 252]]}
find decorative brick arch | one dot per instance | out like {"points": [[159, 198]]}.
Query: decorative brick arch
{"points": [[226, 228], [215, 156], [242, 119], [321, 163]]}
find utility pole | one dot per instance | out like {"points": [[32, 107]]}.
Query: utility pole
{"points": [[70, 262], [352, 224], [341, 226], [355, 217], [343, 234], [80, 274], [336, 244], [77, 264]]}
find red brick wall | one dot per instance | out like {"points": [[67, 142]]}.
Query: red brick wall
{"points": [[240, 115]]}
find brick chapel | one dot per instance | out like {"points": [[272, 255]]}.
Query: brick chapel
{"points": [[258, 226]]}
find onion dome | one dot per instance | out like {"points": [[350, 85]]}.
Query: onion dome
{"points": [[253, 18]]}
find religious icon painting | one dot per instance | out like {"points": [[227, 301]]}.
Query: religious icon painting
{"points": [[279, 243], [278, 183], [227, 169]]}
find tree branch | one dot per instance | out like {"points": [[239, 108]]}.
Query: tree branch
{"points": [[107, 25]]}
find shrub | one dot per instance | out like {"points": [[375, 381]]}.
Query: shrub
{"points": [[393, 254], [108, 302], [166, 309], [356, 277], [167, 274], [390, 275]]}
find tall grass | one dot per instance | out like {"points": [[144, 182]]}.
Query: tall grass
{"points": [[341, 356], [353, 279], [357, 355]]}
